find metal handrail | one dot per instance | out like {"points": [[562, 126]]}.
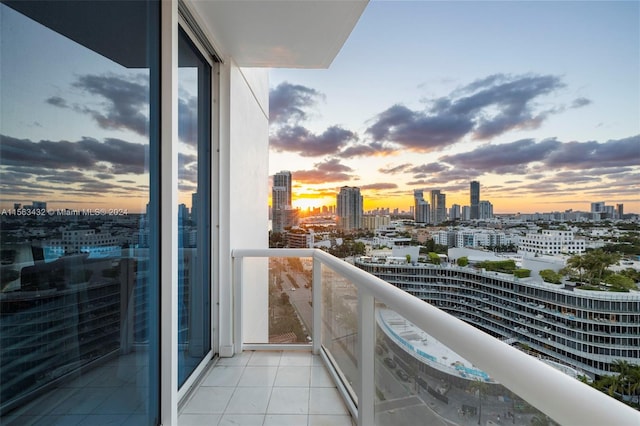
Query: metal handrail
{"points": [[563, 398]]}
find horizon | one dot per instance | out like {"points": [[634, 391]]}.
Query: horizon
{"points": [[432, 95]]}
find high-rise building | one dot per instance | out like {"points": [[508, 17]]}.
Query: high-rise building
{"points": [[283, 180], [438, 207], [195, 205], [466, 213], [421, 212], [454, 212], [619, 210], [349, 208], [474, 199], [282, 215], [598, 207], [485, 210]]}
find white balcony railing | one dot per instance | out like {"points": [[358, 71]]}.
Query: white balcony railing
{"points": [[564, 399]]}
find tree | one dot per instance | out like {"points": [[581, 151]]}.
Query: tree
{"points": [[593, 264], [619, 282], [576, 263], [541, 420], [550, 276], [624, 385], [463, 261], [631, 273]]}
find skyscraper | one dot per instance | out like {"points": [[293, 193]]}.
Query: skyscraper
{"points": [[454, 212], [438, 207], [282, 212], [421, 213], [349, 208], [283, 180], [474, 199], [485, 210]]}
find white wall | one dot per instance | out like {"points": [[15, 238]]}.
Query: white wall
{"points": [[244, 186]]}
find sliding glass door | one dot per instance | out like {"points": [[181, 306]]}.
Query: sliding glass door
{"points": [[194, 211]]}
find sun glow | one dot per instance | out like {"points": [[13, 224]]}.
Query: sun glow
{"points": [[306, 203]]}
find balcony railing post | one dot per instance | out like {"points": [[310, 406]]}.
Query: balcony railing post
{"points": [[316, 301], [366, 351], [238, 262]]}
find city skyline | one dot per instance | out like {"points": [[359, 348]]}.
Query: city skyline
{"points": [[414, 102]]}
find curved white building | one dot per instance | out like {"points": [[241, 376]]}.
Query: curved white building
{"points": [[586, 330]]}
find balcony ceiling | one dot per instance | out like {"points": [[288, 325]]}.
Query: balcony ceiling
{"points": [[279, 33]]}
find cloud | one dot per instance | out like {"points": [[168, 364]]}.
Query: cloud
{"points": [[482, 110], [587, 155], [188, 119], [127, 101], [307, 144], [57, 101], [511, 157], [580, 102], [327, 171], [428, 168], [287, 102], [392, 170], [65, 177], [85, 154], [417, 130], [379, 186], [368, 149]]}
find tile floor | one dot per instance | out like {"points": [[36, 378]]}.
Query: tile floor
{"points": [[267, 388]]}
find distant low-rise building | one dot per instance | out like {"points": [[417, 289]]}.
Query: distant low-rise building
{"points": [[373, 221], [551, 241], [300, 238]]}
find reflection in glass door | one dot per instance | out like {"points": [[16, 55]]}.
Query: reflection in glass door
{"points": [[194, 134], [78, 196]]}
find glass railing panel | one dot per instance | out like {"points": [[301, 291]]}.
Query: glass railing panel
{"points": [[419, 380], [277, 300], [340, 326], [290, 299]]}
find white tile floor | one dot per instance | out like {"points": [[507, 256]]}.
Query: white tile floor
{"points": [[267, 388]]}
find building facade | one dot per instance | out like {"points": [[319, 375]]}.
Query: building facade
{"points": [[282, 213], [349, 209], [438, 207], [586, 330], [421, 208], [485, 210], [474, 199], [551, 241]]}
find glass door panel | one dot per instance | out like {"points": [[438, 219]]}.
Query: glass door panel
{"points": [[194, 272]]}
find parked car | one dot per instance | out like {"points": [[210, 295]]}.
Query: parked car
{"points": [[402, 375]]}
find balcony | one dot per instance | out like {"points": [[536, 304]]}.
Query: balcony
{"points": [[342, 348], [393, 358]]}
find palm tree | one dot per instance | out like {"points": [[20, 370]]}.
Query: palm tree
{"points": [[577, 263], [628, 379]]}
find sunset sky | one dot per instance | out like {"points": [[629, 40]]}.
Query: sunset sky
{"points": [[539, 101]]}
